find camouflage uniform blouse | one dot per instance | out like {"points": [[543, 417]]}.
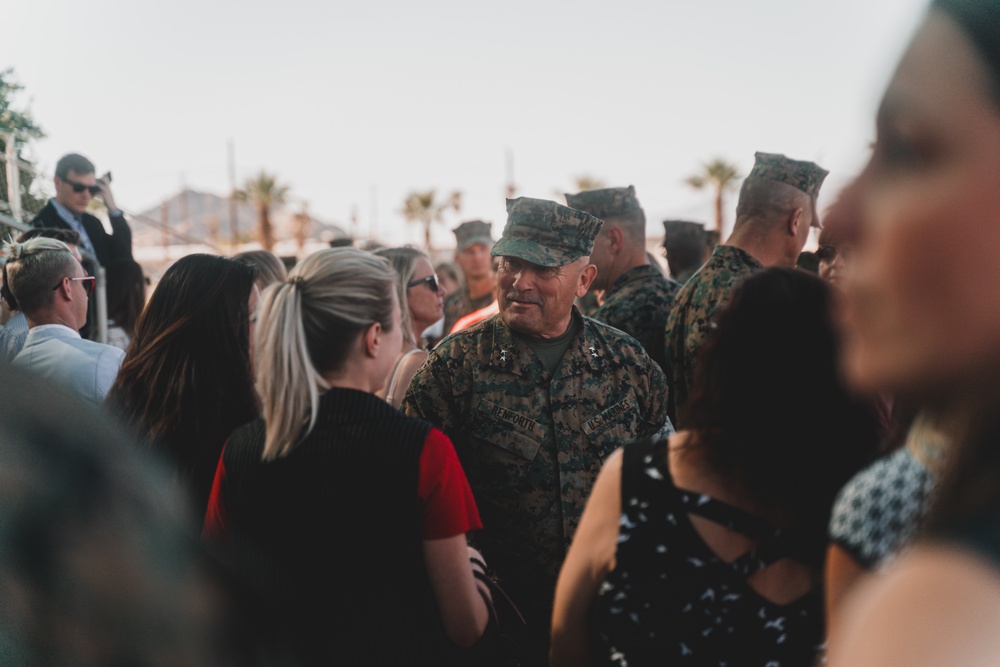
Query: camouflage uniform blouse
{"points": [[531, 442], [694, 307], [638, 304]]}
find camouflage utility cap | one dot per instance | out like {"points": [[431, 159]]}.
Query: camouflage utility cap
{"points": [[806, 176], [606, 202], [473, 231], [676, 230], [546, 233]]}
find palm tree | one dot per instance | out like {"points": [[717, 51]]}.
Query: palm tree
{"points": [[585, 182], [722, 176], [423, 207], [264, 191], [301, 223]]}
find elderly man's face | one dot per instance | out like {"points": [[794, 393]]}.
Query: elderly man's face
{"points": [[538, 300]]}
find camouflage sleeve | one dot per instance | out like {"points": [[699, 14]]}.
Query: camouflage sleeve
{"points": [[670, 354], [429, 395], [654, 399]]}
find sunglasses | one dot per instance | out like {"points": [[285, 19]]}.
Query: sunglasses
{"points": [[80, 187], [828, 253], [88, 283], [431, 280]]}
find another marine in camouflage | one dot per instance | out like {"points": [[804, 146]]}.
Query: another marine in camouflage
{"points": [[686, 246], [532, 442], [638, 303], [460, 304], [694, 307], [801, 174], [605, 203]]}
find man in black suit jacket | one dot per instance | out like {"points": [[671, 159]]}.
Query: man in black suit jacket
{"points": [[75, 185]]}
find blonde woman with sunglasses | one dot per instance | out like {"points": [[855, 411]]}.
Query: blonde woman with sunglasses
{"points": [[421, 298]]}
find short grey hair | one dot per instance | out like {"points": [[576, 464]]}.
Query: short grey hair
{"points": [[34, 267]]}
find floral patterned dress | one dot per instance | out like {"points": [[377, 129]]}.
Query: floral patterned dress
{"points": [[672, 601]]}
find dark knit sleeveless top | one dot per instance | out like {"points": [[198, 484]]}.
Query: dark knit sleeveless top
{"points": [[332, 533]]}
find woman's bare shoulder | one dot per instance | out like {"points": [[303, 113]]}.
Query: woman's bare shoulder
{"points": [[937, 605]]}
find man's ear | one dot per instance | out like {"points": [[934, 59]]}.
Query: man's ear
{"points": [[65, 289], [586, 278], [373, 339], [795, 222], [616, 239]]}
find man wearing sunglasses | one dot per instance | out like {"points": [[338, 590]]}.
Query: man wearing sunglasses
{"points": [[76, 185], [52, 289]]}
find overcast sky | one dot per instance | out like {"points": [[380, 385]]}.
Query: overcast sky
{"points": [[355, 104]]}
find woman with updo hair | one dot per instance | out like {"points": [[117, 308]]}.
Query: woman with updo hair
{"points": [[350, 516]]}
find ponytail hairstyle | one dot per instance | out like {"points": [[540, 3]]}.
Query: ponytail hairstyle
{"points": [[307, 327]]}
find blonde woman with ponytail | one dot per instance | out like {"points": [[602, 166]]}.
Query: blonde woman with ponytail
{"points": [[350, 517]]}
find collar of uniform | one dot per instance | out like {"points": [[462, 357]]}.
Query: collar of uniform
{"points": [[585, 353], [635, 273], [733, 253]]}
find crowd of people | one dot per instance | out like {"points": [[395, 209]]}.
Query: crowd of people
{"points": [[759, 456]]}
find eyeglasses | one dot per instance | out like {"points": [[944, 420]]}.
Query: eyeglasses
{"points": [[431, 280], [80, 187], [828, 253], [88, 283]]}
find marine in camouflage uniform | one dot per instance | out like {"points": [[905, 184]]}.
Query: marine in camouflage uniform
{"points": [[694, 307], [637, 296], [532, 437], [708, 290], [467, 236], [639, 303], [686, 246]]}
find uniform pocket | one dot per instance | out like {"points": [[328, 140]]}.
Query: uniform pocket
{"points": [[616, 424], [510, 430]]}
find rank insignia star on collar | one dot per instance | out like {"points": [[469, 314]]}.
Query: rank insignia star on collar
{"points": [[593, 352], [503, 355]]}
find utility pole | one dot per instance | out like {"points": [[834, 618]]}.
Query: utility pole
{"points": [[373, 221], [13, 177], [164, 226], [234, 226], [185, 226], [511, 188]]}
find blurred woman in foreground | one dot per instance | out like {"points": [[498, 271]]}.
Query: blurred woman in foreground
{"points": [[923, 321], [352, 516], [707, 547]]}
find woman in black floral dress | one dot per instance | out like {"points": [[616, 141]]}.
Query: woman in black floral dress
{"points": [[706, 548]]}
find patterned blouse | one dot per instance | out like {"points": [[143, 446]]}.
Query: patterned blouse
{"points": [[879, 510], [672, 601]]}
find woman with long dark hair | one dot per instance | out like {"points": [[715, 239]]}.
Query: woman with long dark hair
{"points": [[922, 320], [351, 516], [707, 547], [186, 381]]}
